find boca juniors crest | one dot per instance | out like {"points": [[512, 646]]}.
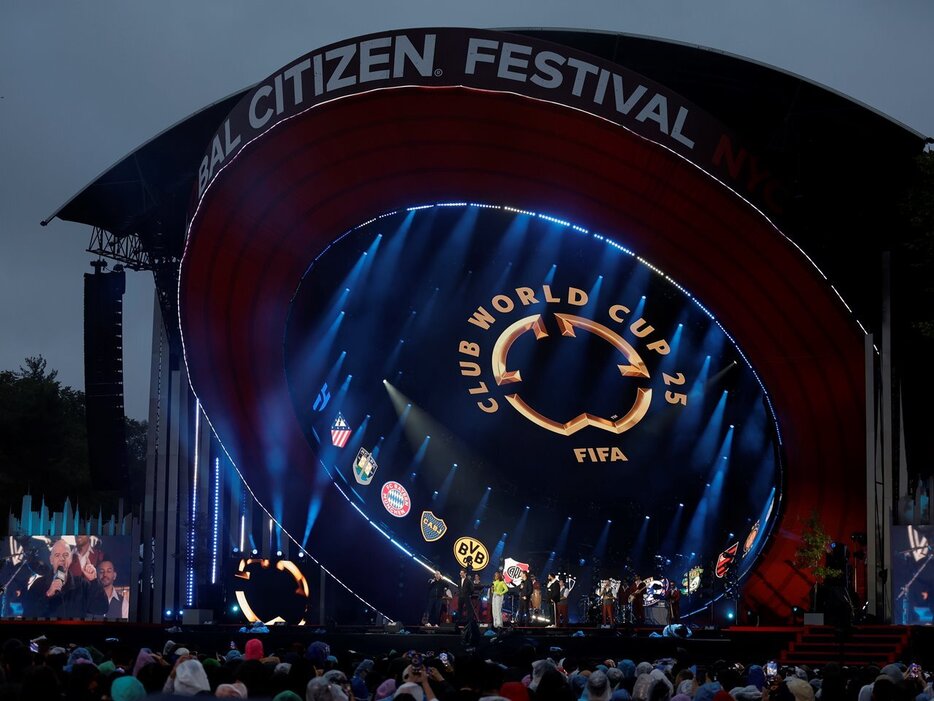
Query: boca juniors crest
{"points": [[433, 528], [396, 499], [364, 467], [340, 431]]}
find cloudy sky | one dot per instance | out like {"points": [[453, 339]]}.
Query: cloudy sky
{"points": [[84, 83]]}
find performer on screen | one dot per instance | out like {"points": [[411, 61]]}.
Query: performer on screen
{"points": [[436, 589], [85, 552], [58, 594], [118, 606]]}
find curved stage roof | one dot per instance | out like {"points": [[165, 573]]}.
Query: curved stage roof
{"points": [[281, 195]]}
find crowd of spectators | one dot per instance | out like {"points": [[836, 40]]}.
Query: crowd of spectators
{"points": [[41, 671]]}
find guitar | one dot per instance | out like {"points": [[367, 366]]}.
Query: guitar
{"points": [[637, 591]]}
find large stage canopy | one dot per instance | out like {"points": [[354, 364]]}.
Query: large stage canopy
{"points": [[593, 323], [544, 295]]}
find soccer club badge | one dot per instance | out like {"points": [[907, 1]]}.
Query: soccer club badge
{"points": [[340, 431], [395, 499], [513, 568], [725, 561], [433, 528], [364, 467]]}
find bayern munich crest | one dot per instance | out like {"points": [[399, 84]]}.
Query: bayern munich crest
{"points": [[396, 499]]}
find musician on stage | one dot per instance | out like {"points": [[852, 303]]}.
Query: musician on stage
{"points": [[562, 608], [674, 604], [525, 595], [606, 597], [436, 590], [497, 591], [636, 599], [465, 607], [554, 596]]}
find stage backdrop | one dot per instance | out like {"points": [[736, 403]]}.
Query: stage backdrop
{"points": [[595, 325]]}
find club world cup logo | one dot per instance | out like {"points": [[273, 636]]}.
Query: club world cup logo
{"points": [[496, 380]]}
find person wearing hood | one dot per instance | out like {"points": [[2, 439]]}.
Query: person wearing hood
{"points": [[539, 667], [253, 649], [598, 687], [237, 690], [187, 679], [127, 689], [358, 681]]}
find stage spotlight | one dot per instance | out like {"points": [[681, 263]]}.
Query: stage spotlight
{"points": [[168, 613], [301, 555], [236, 550], [255, 551], [647, 518], [680, 504], [729, 615], [278, 553]]}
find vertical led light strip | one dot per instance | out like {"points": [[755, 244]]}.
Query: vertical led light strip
{"points": [[217, 518], [193, 516]]}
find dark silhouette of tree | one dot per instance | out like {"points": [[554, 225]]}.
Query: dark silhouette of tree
{"points": [[43, 443]]}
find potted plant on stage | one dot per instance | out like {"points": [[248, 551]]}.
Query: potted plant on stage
{"points": [[815, 553]]}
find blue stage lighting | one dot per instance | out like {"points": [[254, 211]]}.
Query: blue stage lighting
{"points": [[168, 613], [234, 609]]}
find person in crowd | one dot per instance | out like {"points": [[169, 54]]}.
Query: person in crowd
{"points": [[188, 678], [57, 593], [320, 689]]}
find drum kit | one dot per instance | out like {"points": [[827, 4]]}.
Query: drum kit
{"points": [[590, 606]]}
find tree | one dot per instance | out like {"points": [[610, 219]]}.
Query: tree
{"points": [[43, 442]]}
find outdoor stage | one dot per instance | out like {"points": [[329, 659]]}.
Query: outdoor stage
{"points": [[811, 645]]}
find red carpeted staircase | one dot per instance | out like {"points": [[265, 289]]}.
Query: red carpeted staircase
{"points": [[863, 645]]}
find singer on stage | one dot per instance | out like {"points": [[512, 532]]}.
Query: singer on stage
{"points": [[57, 593]]}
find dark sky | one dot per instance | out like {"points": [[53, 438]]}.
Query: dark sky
{"points": [[83, 84]]}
